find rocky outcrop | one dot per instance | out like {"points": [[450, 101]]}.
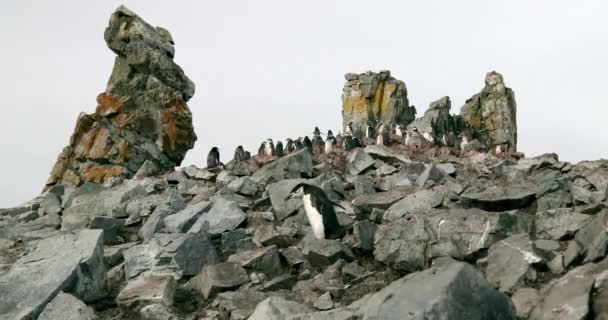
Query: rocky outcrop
{"points": [[494, 112], [370, 98], [438, 121], [142, 115]]}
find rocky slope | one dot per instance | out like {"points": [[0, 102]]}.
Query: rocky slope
{"points": [[432, 232]]}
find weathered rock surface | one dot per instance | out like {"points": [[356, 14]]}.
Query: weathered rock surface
{"points": [[438, 121], [500, 198], [146, 290], [219, 277], [142, 115], [495, 111], [510, 262], [371, 98]]}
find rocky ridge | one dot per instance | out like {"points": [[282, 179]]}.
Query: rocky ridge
{"points": [[430, 232]]}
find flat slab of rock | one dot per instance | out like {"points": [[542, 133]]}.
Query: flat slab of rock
{"points": [[219, 277], [170, 254], [403, 244], [325, 252], [358, 161], [559, 223], [510, 262], [35, 279], [295, 165], [278, 308], [147, 290], [283, 206], [419, 202], [386, 154], [183, 220], [499, 198], [223, 216], [265, 259], [67, 307], [380, 200]]}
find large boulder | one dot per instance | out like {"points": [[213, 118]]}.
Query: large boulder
{"points": [[493, 111], [369, 98], [142, 114], [67, 307], [293, 166], [71, 262], [438, 120]]}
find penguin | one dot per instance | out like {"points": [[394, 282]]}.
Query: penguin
{"points": [[349, 128], [319, 211], [413, 139], [307, 143], [317, 145], [269, 148], [247, 155], [289, 147], [213, 158], [369, 132], [348, 143], [278, 149], [498, 150], [357, 143], [330, 136], [398, 130], [239, 154], [298, 145], [383, 136], [464, 142], [261, 150], [426, 135], [329, 146], [339, 140], [317, 132]]}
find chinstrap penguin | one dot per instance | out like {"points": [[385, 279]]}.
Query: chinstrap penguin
{"points": [[319, 210]]}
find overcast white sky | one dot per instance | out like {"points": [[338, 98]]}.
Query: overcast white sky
{"points": [[275, 68]]}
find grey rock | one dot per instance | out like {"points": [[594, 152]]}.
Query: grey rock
{"points": [[510, 262], [67, 307], [156, 222], [352, 270], [572, 252], [380, 200], [113, 255], [386, 154], [363, 185], [556, 265], [593, 238], [554, 192], [37, 277], [293, 166], [292, 255], [447, 168], [418, 202], [265, 260], [524, 299], [239, 304], [281, 205], [217, 278], [430, 176], [280, 236], [244, 186], [358, 161], [157, 312], [236, 241], [184, 220], [111, 227], [324, 302], [559, 223], [277, 308], [223, 216], [403, 244], [170, 254], [499, 198], [147, 290], [547, 245], [147, 169], [324, 252], [363, 236]]}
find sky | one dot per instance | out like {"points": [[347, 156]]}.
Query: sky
{"points": [[275, 68]]}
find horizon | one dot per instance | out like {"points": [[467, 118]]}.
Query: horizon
{"points": [[246, 60]]}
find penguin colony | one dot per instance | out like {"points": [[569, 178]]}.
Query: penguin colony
{"points": [[320, 211]]}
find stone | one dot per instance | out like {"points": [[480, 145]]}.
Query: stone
{"points": [[142, 114], [547, 245], [324, 252], [556, 265], [147, 290], [447, 168], [292, 255], [593, 238], [265, 260], [147, 169], [223, 216], [557, 224], [494, 111], [524, 300], [510, 262], [236, 240], [386, 154], [554, 192], [67, 307], [216, 278], [243, 186], [280, 236], [363, 185], [283, 206], [379, 200], [373, 98], [403, 244], [421, 201], [111, 227], [156, 221], [37, 277], [239, 304], [499, 198], [277, 308], [572, 253], [293, 166], [363, 236], [437, 119], [358, 161], [430, 176], [113, 255], [157, 312], [170, 254], [324, 302], [182, 221]]}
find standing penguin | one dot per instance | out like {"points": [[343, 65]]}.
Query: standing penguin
{"points": [[247, 155], [357, 143], [319, 211], [317, 144], [464, 141], [317, 132], [269, 148], [329, 146], [261, 150], [307, 143], [330, 136], [289, 147], [369, 132], [349, 129], [383, 136], [398, 130], [348, 142], [278, 149], [298, 145], [213, 158], [239, 154]]}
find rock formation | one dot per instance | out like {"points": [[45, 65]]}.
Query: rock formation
{"points": [[438, 120], [369, 98], [142, 115], [494, 111]]}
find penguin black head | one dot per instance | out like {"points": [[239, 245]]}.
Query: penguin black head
{"points": [[357, 143], [317, 131], [298, 144], [329, 133]]}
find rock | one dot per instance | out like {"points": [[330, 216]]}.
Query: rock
{"points": [[524, 300], [243, 186], [282, 206], [157, 312], [554, 192], [371, 98], [142, 115], [277, 308], [147, 169], [293, 166], [217, 278], [236, 241], [114, 255], [421, 201], [557, 224], [265, 260], [35, 278], [156, 222], [358, 161], [494, 110], [556, 265], [223, 216], [447, 168], [499, 198], [292, 255], [67, 307], [403, 244], [269, 235], [111, 228], [324, 252], [380, 200], [363, 185], [182, 221], [431, 176], [547, 245], [593, 238], [438, 120], [170, 254], [510, 262], [386, 154], [324, 302], [363, 236], [147, 290], [572, 252]]}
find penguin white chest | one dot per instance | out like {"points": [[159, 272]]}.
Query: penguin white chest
{"points": [[268, 150], [328, 146], [314, 217], [380, 140]]}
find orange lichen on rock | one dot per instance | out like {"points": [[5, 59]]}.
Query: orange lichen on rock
{"points": [[100, 173], [108, 104]]}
